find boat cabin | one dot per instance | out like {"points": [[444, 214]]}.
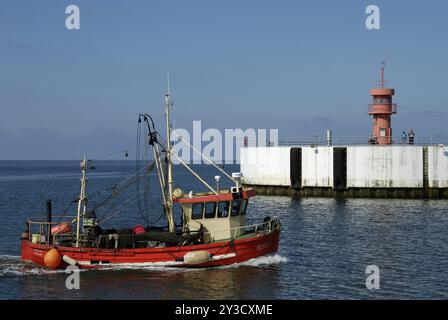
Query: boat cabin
{"points": [[219, 216]]}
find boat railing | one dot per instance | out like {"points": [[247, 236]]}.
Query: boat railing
{"points": [[262, 227], [44, 233]]}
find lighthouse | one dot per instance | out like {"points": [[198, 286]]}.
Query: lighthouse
{"points": [[382, 109]]}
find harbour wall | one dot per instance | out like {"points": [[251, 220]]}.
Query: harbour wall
{"points": [[349, 171]]}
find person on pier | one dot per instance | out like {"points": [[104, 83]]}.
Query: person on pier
{"points": [[404, 137], [411, 136]]}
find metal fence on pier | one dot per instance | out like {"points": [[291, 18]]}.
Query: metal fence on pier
{"points": [[347, 141]]}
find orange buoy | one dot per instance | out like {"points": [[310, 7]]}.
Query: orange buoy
{"points": [[52, 258]]}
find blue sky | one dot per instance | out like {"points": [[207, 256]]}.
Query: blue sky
{"points": [[299, 66]]}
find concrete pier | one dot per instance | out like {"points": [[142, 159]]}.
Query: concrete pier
{"points": [[370, 171]]}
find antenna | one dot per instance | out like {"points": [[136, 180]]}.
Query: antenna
{"points": [[383, 66], [168, 78], [167, 95]]}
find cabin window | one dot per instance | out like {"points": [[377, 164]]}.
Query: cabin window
{"points": [[244, 207], [223, 209], [210, 210], [236, 205], [196, 210]]}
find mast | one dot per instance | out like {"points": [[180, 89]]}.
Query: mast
{"points": [[82, 199], [169, 200]]}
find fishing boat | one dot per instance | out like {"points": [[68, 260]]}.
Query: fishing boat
{"points": [[213, 230]]}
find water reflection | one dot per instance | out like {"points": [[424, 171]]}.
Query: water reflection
{"points": [[242, 282]]}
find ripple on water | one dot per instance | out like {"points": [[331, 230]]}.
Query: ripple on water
{"points": [[13, 266]]}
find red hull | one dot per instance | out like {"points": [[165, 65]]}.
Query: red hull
{"points": [[222, 253]]}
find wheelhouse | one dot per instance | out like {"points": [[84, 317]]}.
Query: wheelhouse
{"points": [[219, 216]]}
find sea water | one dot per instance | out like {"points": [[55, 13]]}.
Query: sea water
{"points": [[326, 244]]}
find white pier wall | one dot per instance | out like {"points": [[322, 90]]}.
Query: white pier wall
{"points": [[367, 166], [438, 167], [266, 165], [385, 167], [317, 166]]}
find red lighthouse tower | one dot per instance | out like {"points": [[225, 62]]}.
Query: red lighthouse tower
{"points": [[382, 109]]}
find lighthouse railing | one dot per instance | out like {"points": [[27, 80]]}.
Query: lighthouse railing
{"points": [[371, 108]]}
